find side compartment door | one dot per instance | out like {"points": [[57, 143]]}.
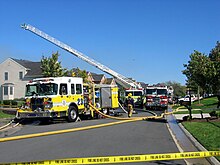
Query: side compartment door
{"points": [[114, 93], [106, 98]]}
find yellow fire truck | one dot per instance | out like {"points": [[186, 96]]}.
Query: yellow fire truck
{"points": [[67, 97], [137, 95]]}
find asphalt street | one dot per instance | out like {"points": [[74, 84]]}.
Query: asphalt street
{"points": [[139, 137]]}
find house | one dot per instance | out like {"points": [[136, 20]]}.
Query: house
{"points": [[110, 81], [100, 79], [14, 75], [96, 78]]}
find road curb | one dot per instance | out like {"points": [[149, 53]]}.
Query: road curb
{"points": [[198, 145]]}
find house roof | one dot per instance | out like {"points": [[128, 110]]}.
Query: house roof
{"points": [[143, 84], [109, 80], [34, 68], [97, 77]]}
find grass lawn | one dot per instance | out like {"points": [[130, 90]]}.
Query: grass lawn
{"points": [[4, 115], [206, 105], [207, 133]]}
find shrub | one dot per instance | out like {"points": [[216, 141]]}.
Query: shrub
{"points": [[10, 102], [6, 102], [215, 113]]}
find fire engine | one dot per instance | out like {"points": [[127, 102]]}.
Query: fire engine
{"points": [[156, 97], [137, 95], [65, 97]]}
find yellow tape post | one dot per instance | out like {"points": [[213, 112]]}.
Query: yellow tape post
{"points": [[126, 159]]}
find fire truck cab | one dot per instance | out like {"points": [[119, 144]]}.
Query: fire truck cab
{"points": [[68, 97], [156, 97], [137, 95]]}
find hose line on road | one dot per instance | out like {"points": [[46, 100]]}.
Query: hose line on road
{"points": [[4, 126], [65, 131], [123, 120], [8, 124]]}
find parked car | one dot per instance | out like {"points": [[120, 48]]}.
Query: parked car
{"points": [[186, 98]]}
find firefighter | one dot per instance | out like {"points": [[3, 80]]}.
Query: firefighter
{"points": [[130, 104]]}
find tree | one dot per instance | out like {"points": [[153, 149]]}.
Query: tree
{"points": [[198, 71], [204, 70], [215, 58], [76, 72], [51, 67]]}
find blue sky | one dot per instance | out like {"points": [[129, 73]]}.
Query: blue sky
{"points": [[148, 40]]}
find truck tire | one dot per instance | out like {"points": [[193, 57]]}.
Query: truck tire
{"points": [[72, 114]]}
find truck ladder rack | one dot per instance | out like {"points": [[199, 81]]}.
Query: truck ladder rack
{"points": [[80, 55]]}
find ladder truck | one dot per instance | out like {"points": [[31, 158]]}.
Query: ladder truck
{"points": [[131, 86]]}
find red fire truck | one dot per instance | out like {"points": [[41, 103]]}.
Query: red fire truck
{"points": [[156, 97]]}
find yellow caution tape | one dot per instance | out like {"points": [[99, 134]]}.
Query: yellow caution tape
{"points": [[126, 159]]}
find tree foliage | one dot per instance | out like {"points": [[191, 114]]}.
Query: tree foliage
{"points": [[76, 72], [204, 70], [215, 59], [51, 67]]}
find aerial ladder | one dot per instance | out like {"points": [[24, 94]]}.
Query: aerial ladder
{"points": [[125, 82]]}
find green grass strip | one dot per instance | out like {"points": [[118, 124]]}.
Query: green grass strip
{"points": [[4, 115], [207, 133]]}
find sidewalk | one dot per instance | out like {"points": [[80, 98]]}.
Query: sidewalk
{"points": [[185, 143], [198, 116]]}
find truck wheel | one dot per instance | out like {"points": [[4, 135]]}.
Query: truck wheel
{"points": [[72, 114]]}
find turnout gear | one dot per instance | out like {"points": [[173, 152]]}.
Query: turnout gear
{"points": [[130, 104]]}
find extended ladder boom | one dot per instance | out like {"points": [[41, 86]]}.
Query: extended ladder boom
{"points": [[80, 55]]}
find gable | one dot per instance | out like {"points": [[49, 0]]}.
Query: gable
{"points": [[33, 68]]}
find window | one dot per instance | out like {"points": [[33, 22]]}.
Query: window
{"points": [[78, 88], [6, 75], [5, 90], [11, 90], [63, 89], [41, 89], [72, 89], [20, 75], [135, 93]]}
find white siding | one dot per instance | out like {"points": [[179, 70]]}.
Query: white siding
{"points": [[13, 69]]}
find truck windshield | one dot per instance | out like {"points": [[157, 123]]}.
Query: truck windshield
{"points": [[151, 91], [41, 89], [134, 93], [161, 91], [156, 91]]}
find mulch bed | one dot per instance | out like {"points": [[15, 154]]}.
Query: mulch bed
{"points": [[10, 111]]}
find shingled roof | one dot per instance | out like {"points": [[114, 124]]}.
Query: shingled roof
{"points": [[34, 68], [97, 77]]}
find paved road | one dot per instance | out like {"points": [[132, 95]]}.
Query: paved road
{"points": [[140, 137]]}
